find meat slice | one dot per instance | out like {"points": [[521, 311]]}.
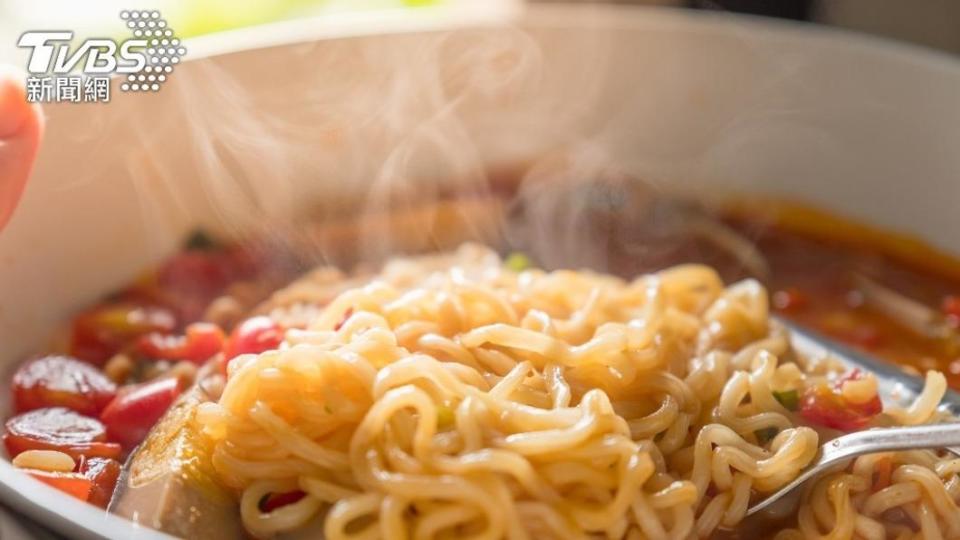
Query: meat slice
{"points": [[169, 483]]}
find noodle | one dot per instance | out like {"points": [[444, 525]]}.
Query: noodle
{"points": [[449, 397]]}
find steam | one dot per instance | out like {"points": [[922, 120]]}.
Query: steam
{"points": [[394, 126]]}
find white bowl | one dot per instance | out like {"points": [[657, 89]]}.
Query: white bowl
{"points": [[312, 114]]}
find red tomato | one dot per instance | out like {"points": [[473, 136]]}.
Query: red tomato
{"points": [[201, 342], [194, 272], [101, 332], [103, 474], [190, 280], [60, 381], [245, 262], [825, 406], [134, 411], [71, 483], [277, 500], [59, 429], [252, 336]]}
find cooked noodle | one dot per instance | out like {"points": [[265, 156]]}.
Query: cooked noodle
{"points": [[450, 397]]}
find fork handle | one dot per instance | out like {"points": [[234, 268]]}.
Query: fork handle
{"points": [[895, 438]]}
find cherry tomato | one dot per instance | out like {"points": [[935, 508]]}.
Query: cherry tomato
{"points": [[71, 483], [103, 474], [190, 280], [60, 381], [252, 336], [194, 273], [101, 332], [271, 502], [200, 343], [245, 262], [61, 429], [129, 417], [824, 405]]}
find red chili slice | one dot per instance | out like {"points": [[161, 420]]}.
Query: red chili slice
{"points": [[103, 474], [58, 428], [201, 342], [129, 417], [60, 381]]}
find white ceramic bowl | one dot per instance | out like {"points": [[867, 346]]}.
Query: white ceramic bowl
{"points": [[312, 114]]}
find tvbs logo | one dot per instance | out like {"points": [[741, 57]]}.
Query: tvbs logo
{"points": [[145, 60], [51, 54]]}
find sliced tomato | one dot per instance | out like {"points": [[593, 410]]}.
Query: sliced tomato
{"points": [[58, 428], [252, 336], [103, 474], [271, 502], [824, 405], [60, 381], [129, 417], [71, 483], [200, 342], [101, 332]]}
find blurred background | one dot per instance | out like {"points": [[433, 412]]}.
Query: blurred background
{"points": [[932, 23]]}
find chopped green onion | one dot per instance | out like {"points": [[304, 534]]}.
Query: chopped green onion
{"points": [[200, 241], [766, 435], [517, 262], [788, 398]]}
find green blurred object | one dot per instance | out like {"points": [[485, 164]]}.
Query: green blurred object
{"points": [[200, 17], [517, 262], [789, 399]]}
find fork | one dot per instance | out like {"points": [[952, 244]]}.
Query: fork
{"points": [[845, 448]]}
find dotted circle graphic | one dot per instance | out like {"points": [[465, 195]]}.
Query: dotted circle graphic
{"points": [[163, 50]]}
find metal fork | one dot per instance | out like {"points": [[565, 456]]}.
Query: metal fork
{"points": [[842, 449], [893, 382]]}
